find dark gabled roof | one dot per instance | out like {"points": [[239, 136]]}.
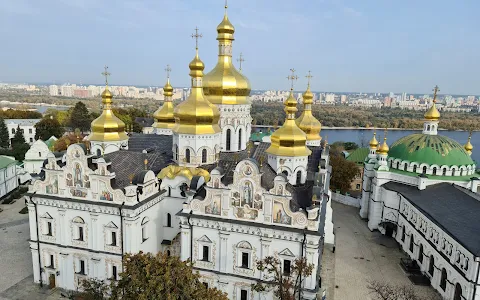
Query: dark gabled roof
{"points": [[145, 122], [150, 142], [452, 208]]}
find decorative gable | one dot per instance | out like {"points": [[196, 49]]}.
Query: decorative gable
{"points": [[204, 239], [46, 216], [111, 225], [286, 252]]}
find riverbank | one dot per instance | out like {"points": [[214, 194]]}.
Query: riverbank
{"points": [[369, 128]]}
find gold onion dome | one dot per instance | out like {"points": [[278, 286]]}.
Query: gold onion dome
{"points": [[163, 116], [373, 142], [432, 113], [224, 84], [383, 149], [307, 122], [468, 146], [196, 115], [289, 139], [107, 127]]}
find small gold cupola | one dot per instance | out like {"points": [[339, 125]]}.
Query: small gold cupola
{"points": [[468, 146], [196, 115], [307, 122], [373, 142], [164, 117], [383, 148], [289, 139], [107, 127], [224, 84], [432, 114]]}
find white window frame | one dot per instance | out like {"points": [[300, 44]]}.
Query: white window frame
{"points": [[109, 229], [244, 247]]}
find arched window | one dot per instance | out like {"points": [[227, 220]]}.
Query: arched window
{"points": [[431, 266], [228, 138], [285, 172], [204, 155], [99, 152], [39, 154], [187, 155], [176, 152], [144, 229], [443, 279], [240, 139], [444, 171], [169, 220], [415, 169], [458, 292], [461, 172], [420, 254], [411, 243], [434, 171], [13, 130], [428, 127], [403, 233], [168, 253], [299, 177], [405, 165], [453, 171], [424, 170]]}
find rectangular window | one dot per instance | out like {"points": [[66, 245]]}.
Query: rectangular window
{"points": [[114, 272], [52, 262], [82, 267], [286, 267], [30, 130], [31, 140], [245, 260], [358, 186], [205, 284], [80, 233], [49, 228], [243, 295], [114, 238], [205, 256]]}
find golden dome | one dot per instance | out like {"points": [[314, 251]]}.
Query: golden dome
{"points": [[468, 146], [224, 84], [432, 114], [289, 139], [107, 127], [164, 117], [373, 142], [307, 122], [196, 115], [383, 149]]}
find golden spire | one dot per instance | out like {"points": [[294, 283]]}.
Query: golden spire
{"points": [[383, 149], [307, 122], [433, 114], [224, 84], [107, 127], [240, 60], [468, 146], [289, 139], [163, 116], [196, 115], [373, 142]]}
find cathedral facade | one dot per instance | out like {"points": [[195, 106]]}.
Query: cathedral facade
{"points": [[197, 189]]}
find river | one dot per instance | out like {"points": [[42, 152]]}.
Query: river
{"points": [[363, 136]]}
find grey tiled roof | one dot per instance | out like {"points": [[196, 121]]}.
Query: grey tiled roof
{"points": [[145, 122], [150, 142], [452, 208]]}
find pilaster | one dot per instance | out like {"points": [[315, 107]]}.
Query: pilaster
{"points": [[223, 257], [62, 227], [94, 234]]}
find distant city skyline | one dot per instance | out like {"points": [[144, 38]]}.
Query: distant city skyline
{"points": [[359, 46]]}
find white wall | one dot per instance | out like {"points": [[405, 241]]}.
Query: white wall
{"points": [[8, 180]]}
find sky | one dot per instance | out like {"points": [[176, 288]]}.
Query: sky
{"points": [[349, 45]]}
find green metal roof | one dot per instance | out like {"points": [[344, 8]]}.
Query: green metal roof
{"points": [[465, 178], [257, 136], [358, 155], [430, 149], [5, 161]]}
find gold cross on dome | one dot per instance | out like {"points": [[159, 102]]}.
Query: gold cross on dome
{"points": [[435, 91], [309, 76], [226, 4], [196, 36], [292, 77], [240, 60], [168, 70], [106, 74]]}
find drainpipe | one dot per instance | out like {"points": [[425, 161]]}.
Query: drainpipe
{"points": [[191, 236], [121, 229], [301, 251], [38, 239]]}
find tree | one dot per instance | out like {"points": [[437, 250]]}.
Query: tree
{"points": [[79, 117], [4, 136], [286, 284], [150, 276], [19, 146], [94, 289], [47, 127], [350, 145], [386, 291], [62, 143], [343, 173]]}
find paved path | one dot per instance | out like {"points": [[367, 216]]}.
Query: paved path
{"points": [[362, 256]]}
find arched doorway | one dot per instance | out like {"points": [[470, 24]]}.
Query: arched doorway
{"points": [[458, 292], [228, 139]]}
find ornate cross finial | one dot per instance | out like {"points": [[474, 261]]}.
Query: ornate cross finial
{"points": [[106, 74], [168, 70], [226, 5], [196, 36], [309, 76], [241, 60], [292, 77], [435, 91]]}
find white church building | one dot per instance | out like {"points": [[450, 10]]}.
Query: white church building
{"points": [[424, 191]]}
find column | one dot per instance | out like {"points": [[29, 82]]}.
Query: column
{"points": [[265, 250], [185, 242], [36, 267], [33, 223], [312, 258], [62, 227], [62, 269], [94, 236], [130, 240], [223, 255]]}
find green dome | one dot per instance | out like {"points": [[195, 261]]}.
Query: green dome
{"points": [[430, 149]]}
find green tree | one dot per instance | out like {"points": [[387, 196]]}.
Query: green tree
{"points": [[4, 137], [148, 276], [47, 127], [79, 117], [343, 172], [350, 145], [19, 146], [286, 284]]}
